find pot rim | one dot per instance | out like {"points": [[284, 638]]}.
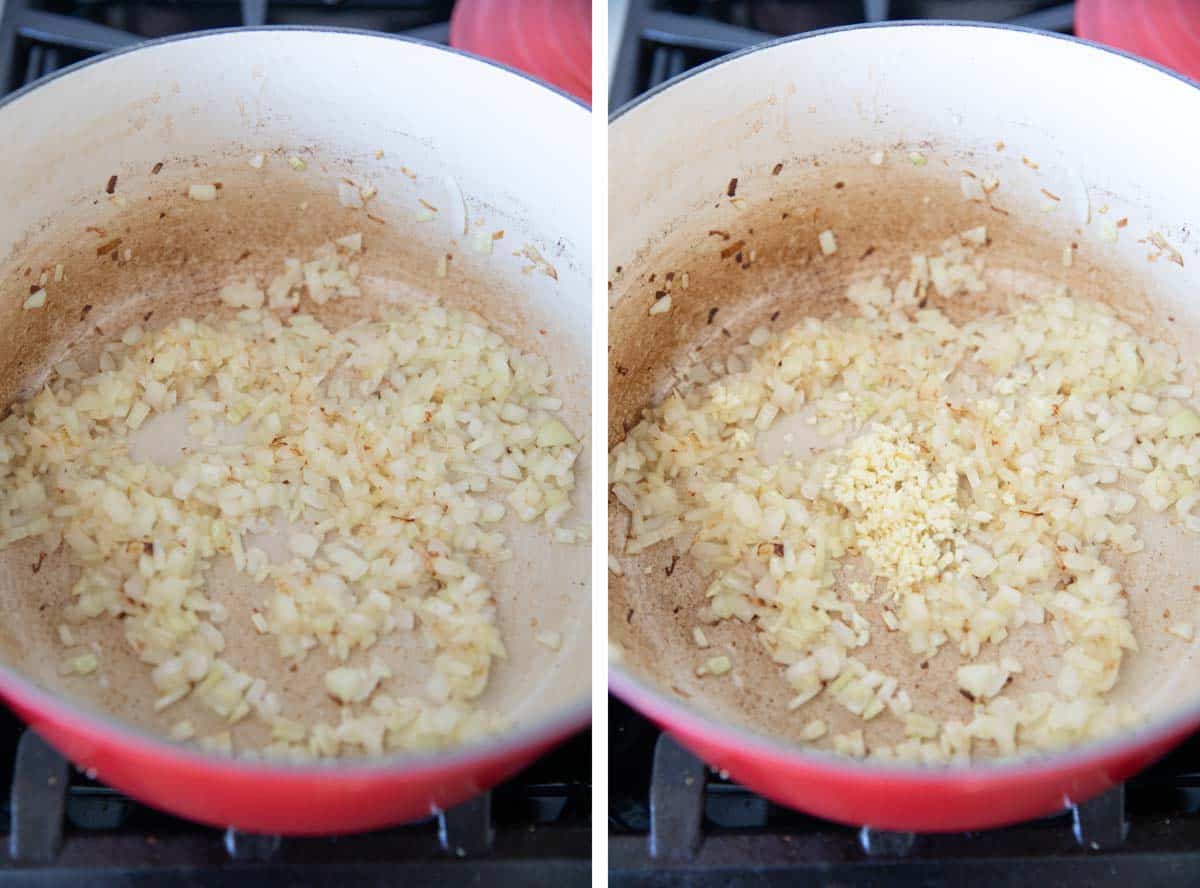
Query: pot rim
{"points": [[80, 717], [653, 92]]}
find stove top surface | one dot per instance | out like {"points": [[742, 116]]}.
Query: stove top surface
{"points": [[673, 821], [63, 828]]}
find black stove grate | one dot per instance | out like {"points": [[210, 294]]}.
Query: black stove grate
{"points": [[664, 38], [63, 828], [38, 37], [672, 821]]}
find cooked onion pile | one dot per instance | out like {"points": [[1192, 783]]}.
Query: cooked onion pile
{"points": [[391, 451], [985, 474]]}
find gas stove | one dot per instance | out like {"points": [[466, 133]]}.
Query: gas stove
{"points": [[63, 828], [672, 821]]}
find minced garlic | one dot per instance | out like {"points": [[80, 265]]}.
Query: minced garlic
{"points": [[906, 517]]}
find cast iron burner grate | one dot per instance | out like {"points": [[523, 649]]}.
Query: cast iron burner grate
{"points": [[664, 38], [64, 829], [673, 822], [39, 37]]}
